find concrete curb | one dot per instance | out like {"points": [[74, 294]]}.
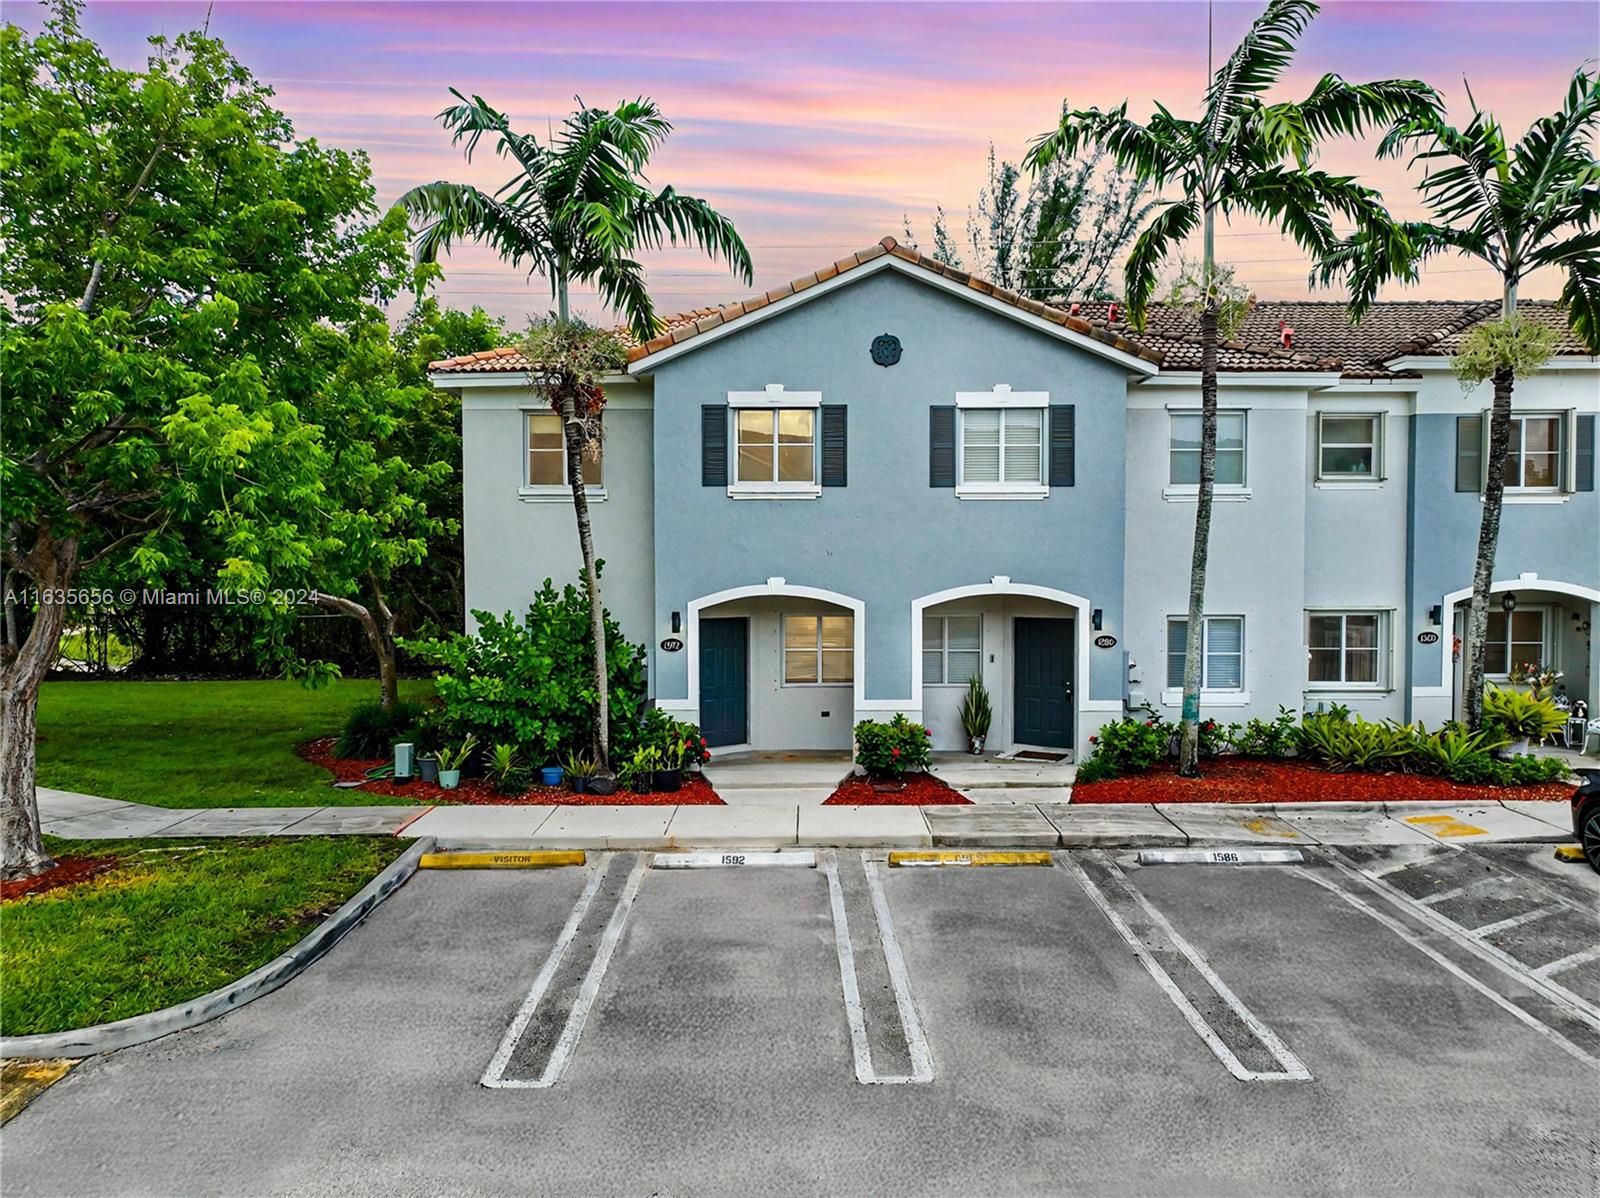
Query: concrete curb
{"points": [[138, 1029]]}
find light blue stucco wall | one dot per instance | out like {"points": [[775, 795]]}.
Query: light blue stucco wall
{"points": [[1558, 541], [888, 537]]}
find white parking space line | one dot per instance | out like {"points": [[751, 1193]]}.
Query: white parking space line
{"points": [[1514, 921], [1451, 967], [494, 1076], [1441, 896], [1583, 1010], [1292, 1069], [855, 1012], [921, 1058], [1581, 957]]}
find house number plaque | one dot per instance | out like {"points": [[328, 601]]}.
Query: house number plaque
{"points": [[1105, 641], [1427, 638], [672, 644]]}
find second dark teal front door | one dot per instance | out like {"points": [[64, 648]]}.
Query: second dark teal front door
{"points": [[724, 681], [1043, 692]]}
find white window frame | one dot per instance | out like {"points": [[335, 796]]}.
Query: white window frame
{"points": [[1385, 648], [1548, 644], [1563, 456], [775, 398], [1002, 398], [784, 650], [1377, 473], [530, 492], [943, 648], [1221, 491], [1215, 697]]}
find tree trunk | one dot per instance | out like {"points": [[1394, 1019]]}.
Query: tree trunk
{"points": [[378, 622], [51, 565], [1488, 541], [1194, 641], [573, 430]]}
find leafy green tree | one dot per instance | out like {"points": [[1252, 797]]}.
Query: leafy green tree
{"points": [[576, 209], [1052, 235], [169, 245], [1241, 155], [1517, 208]]}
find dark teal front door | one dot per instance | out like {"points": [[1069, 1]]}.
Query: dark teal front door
{"points": [[724, 682], [1043, 671]]}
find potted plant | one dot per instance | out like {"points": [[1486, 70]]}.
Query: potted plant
{"points": [[580, 770], [669, 774], [428, 768], [551, 775], [639, 774], [1522, 717], [504, 770], [976, 714], [451, 760]]}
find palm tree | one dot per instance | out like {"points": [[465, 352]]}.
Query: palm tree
{"points": [[1242, 155], [576, 209], [1517, 208]]}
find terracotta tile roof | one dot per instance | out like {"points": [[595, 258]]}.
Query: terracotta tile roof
{"points": [[1324, 339]]}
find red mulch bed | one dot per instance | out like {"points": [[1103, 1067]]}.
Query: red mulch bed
{"points": [[922, 790], [1234, 781], [68, 871], [695, 792]]}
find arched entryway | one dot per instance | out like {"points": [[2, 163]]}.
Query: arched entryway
{"points": [[1531, 620]]}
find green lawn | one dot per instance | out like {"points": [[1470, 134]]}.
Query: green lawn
{"points": [[197, 744], [171, 921]]}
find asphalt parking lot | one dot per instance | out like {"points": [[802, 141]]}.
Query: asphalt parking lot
{"points": [[1372, 1020]]}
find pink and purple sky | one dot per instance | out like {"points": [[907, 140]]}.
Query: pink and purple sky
{"points": [[815, 126]]}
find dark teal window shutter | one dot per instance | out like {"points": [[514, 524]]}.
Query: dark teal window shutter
{"points": [[942, 446], [834, 449], [1469, 453], [714, 445], [1063, 471], [1583, 472]]}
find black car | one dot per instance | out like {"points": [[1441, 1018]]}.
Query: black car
{"points": [[1586, 816]]}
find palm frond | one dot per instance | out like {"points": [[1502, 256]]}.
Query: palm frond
{"points": [[676, 219], [1171, 227], [1338, 108], [454, 212], [1153, 153], [622, 286], [1580, 296], [1257, 62]]}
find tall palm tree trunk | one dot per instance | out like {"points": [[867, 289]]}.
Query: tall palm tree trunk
{"points": [[1494, 487], [573, 430]]}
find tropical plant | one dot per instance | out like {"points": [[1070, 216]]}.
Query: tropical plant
{"points": [[453, 757], [578, 766], [1453, 749], [637, 773], [372, 730], [1125, 746], [168, 243], [888, 750], [504, 770], [1520, 714], [1356, 744], [1241, 155], [1271, 739], [529, 682], [976, 712], [576, 209], [1517, 208]]}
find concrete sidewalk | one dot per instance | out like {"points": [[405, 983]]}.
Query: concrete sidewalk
{"points": [[778, 825]]}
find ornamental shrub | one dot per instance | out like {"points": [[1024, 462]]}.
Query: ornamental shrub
{"points": [[1273, 740], [889, 750], [1518, 713], [1355, 743], [531, 682], [1125, 746], [370, 731], [678, 740]]}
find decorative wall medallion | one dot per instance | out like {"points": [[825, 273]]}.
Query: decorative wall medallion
{"points": [[886, 349]]}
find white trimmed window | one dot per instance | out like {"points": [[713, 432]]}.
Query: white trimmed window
{"points": [[1001, 448], [952, 649], [1346, 648], [818, 650], [1533, 453], [546, 467], [776, 447], [1349, 447], [1515, 639], [1221, 657], [1184, 449]]}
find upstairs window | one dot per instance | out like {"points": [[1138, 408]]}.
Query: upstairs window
{"points": [[776, 446], [1002, 447], [1533, 453], [818, 650], [1185, 449], [547, 455], [1347, 446]]}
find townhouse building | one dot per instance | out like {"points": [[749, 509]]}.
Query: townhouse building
{"points": [[848, 496]]}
